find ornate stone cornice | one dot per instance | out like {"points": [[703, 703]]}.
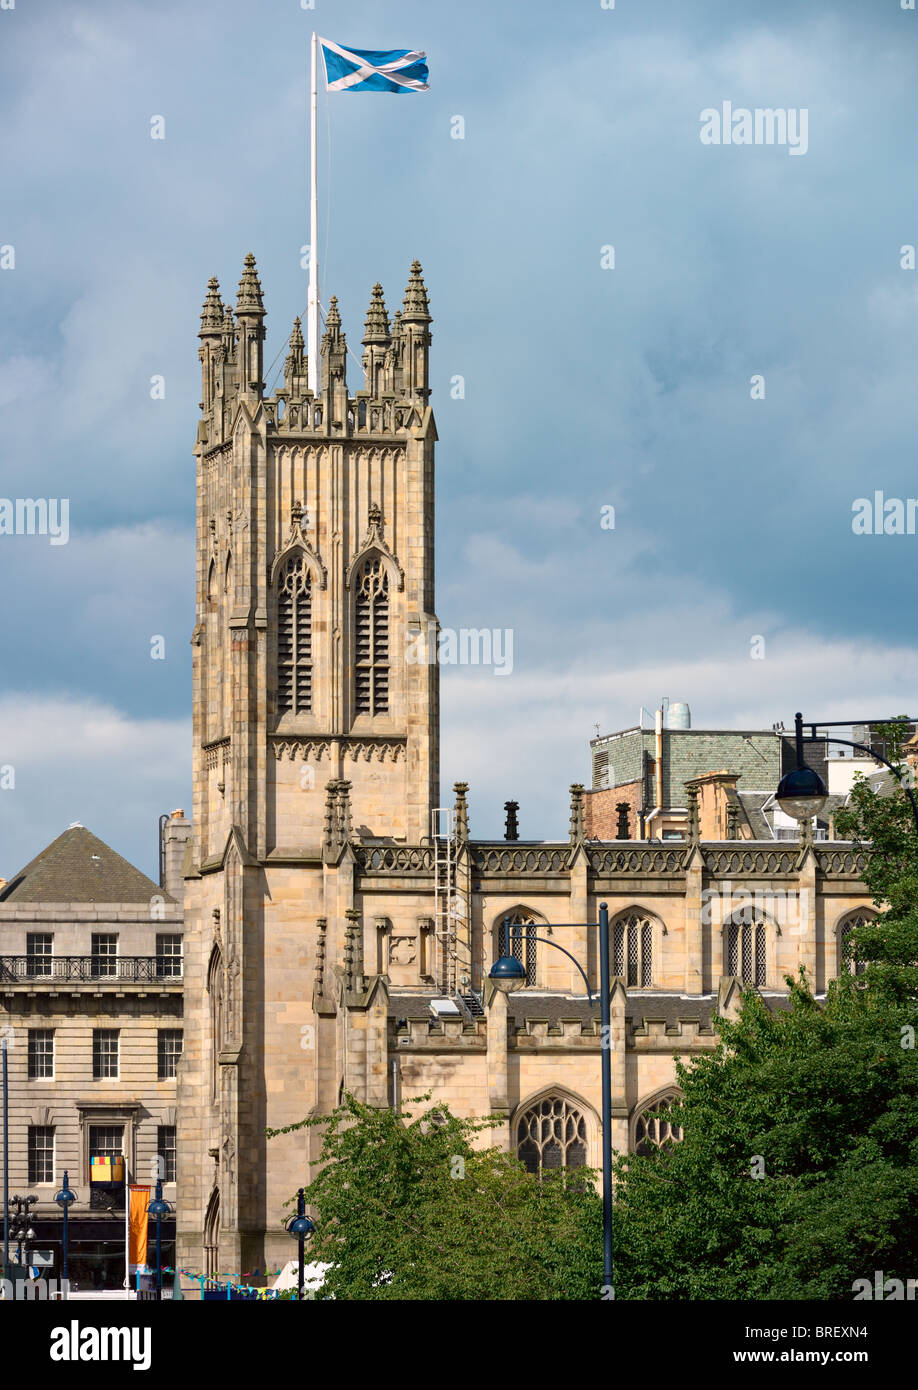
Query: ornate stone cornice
{"points": [[313, 749]]}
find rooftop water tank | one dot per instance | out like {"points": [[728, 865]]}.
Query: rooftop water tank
{"points": [[678, 716]]}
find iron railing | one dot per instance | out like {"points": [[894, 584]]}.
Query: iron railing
{"points": [[92, 969]]}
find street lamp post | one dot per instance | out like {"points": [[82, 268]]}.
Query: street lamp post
{"points": [[64, 1199], [508, 975], [24, 1231], [802, 793], [300, 1227], [159, 1208]]}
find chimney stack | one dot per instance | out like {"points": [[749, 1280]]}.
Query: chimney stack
{"points": [[176, 834]]}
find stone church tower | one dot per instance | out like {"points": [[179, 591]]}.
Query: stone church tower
{"points": [[312, 727], [340, 926]]}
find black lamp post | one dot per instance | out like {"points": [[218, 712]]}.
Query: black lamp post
{"points": [[159, 1208], [802, 793], [64, 1199], [300, 1227], [24, 1232], [508, 975]]}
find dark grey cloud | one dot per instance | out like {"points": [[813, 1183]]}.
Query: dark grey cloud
{"points": [[584, 387]]}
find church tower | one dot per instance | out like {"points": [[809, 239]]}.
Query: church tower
{"points": [[315, 726]]}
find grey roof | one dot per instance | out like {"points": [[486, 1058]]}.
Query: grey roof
{"points": [[650, 1007], [833, 803], [78, 867], [882, 783], [752, 804]]}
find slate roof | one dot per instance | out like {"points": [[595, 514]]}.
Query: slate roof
{"points": [[78, 867], [753, 803], [882, 783], [640, 1008]]}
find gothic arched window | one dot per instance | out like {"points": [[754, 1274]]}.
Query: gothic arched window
{"points": [[632, 950], [550, 1135], [521, 944], [294, 638], [212, 1235], [654, 1127], [744, 952], [847, 965], [371, 666]]}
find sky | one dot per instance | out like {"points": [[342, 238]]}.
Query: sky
{"points": [[730, 386]]}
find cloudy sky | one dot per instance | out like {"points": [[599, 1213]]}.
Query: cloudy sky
{"points": [[585, 387]]}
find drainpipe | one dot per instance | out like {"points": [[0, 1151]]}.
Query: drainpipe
{"points": [[658, 754]]}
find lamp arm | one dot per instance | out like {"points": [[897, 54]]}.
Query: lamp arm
{"points": [[546, 942], [880, 759]]}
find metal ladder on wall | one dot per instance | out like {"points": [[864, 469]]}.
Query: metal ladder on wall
{"points": [[453, 972]]}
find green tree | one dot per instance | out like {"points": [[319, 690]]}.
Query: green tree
{"points": [[798, 1171], [889, 945], [406, 1208]]}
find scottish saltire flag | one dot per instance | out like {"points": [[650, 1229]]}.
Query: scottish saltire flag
{"points": [[373, 70]]}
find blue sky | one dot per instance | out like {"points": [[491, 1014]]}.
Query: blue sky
{"points": [[585, 387]]}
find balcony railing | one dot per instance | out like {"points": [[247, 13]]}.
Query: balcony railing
{"points": [[91, 969]]}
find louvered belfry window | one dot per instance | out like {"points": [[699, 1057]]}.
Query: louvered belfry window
{"points": [[372, 640], [294, 638]]}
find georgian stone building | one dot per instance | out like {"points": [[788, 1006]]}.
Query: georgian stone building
{"points": [[91, 979], [340, 923]]}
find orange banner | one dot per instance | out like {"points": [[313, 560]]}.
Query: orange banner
{"points": [[137, 1224]]}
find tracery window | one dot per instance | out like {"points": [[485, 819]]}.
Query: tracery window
{"points": [[654, 1127], [632, 950], [551, 1135], [294, 638], [521, 944], [744, 950], [847, 963], [371, 692]]}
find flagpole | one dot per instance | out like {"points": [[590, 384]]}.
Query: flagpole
{"points": [[312, 317]]}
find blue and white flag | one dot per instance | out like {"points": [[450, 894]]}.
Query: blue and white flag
{"points": [[373, 70]]}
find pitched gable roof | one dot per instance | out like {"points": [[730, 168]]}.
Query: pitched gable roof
{"points": [[78, 867]]}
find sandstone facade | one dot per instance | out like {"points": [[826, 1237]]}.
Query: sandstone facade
{"points": [[340, 923]]}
